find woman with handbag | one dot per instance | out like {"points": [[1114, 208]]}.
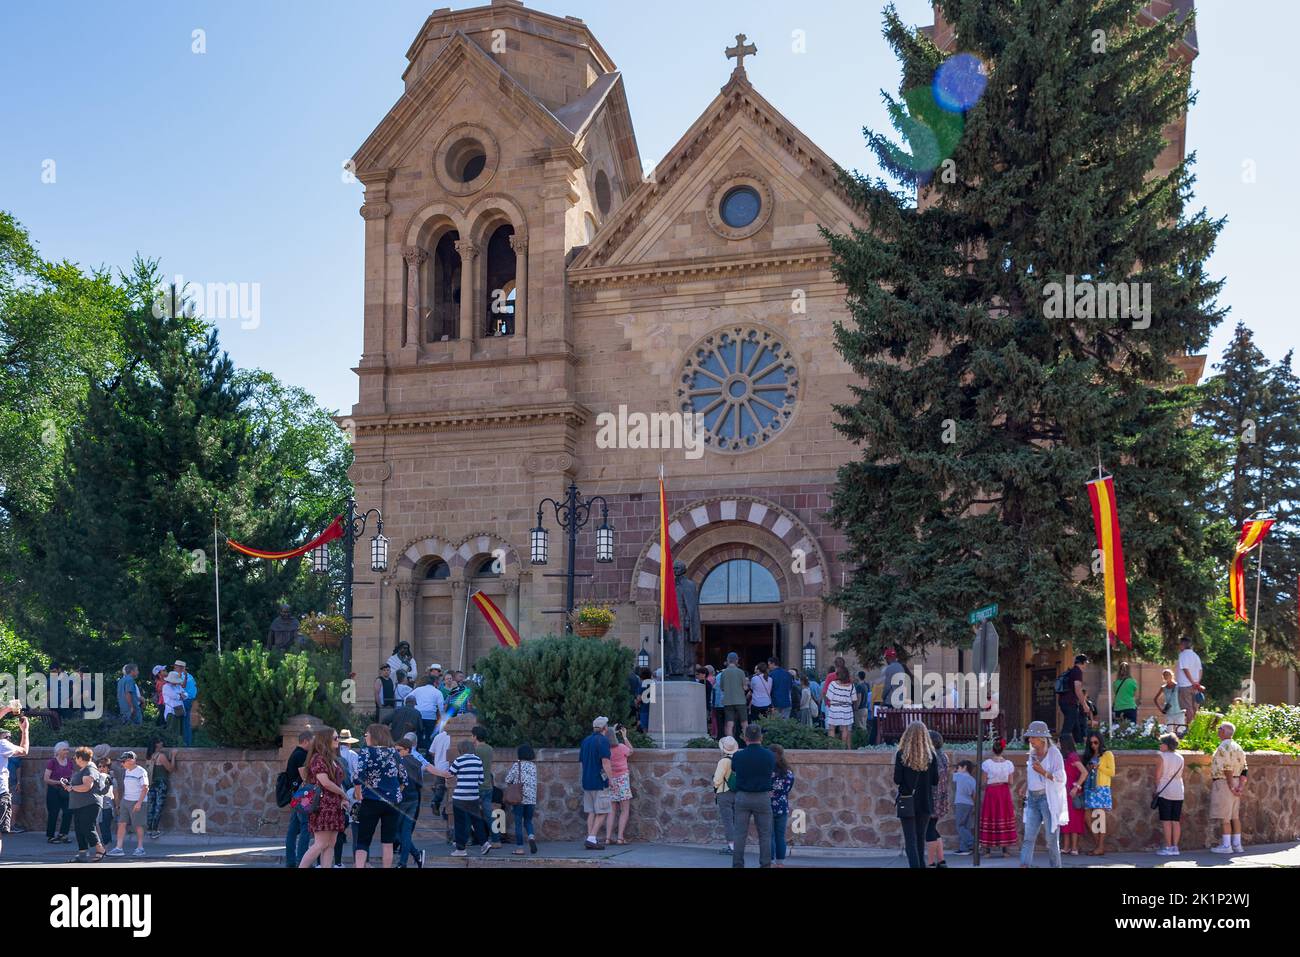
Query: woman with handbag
{"points": [[324, 795], [1075, 775], [916, 771], [521, 796], [1168, 799]]}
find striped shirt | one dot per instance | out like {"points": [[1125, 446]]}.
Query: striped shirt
{"points": [[468, 769]]}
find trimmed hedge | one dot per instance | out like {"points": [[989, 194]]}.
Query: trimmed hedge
{"points": [[93, 731], [548, 690]]}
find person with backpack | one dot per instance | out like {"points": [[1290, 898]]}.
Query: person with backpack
{"points": [[1073, 701], [323, 796], [916, 775], [724, 789], [298, 836], [409, 807], [84, 804]]}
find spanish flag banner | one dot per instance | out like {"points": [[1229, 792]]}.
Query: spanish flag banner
{"points": [[1105, 520], [334, 531], [667, 584], [1253, 531], [500, 625]]}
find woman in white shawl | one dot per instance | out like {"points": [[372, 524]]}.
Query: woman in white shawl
{"points": [[1043, 791], [401, 660]]}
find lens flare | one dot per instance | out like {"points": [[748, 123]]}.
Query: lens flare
{"points": [[959, 82]]}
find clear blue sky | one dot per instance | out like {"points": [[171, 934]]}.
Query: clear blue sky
{"points": [[227, 165]]}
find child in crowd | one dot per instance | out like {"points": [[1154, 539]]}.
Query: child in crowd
{"points": [[964, 806]]}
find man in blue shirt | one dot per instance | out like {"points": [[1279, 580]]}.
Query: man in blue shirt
{"points": [[753, 766], [594, 757], [782, 687], [128, 696]]}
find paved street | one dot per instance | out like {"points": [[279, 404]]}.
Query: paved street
{"points": [[25, 850]]}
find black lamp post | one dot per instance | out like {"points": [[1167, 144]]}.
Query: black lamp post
{"points": [[354, 526], [571, 514], [810, 657], [642, 657]]}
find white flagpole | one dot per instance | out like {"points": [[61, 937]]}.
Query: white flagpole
{"points": [[463, 626], [216, 567], [1254, 641], [663, 676], [1110, 692]]}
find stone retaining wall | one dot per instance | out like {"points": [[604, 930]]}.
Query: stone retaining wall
{"points": [[234, 789], [846, 797]]}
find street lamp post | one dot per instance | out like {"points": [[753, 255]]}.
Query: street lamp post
{"points": [[571, 514], [354, 526]]}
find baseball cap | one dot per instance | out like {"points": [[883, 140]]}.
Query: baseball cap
{"points": [[601, 723]]}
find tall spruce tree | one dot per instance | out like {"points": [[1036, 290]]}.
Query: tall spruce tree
{"points": [[1254, 410], [981, 410]]}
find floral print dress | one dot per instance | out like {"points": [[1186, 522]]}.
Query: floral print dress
{"points": [[328, 815]]}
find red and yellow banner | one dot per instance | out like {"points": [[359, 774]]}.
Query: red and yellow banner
{"points": [[1253, 531], [334, 531], [498, 622], [1105, 520], [667, 584]]}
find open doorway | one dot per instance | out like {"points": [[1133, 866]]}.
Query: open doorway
{"points": [[753, 641]]}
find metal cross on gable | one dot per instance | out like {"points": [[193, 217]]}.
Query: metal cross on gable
{"points": [[740, 51]]}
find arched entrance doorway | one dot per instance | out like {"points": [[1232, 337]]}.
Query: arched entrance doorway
{"points": [[740, 611]]}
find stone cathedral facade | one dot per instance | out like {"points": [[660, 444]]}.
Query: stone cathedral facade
{"points": [[524, 275]]}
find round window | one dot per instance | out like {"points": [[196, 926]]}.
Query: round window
{"points": [[744, 384], [466, 160], [740, 207]]}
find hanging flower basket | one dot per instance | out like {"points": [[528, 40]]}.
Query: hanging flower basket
{"points": [[592, 620]]}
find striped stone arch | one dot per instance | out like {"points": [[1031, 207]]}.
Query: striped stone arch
{"points": [[725, 510], [457, 555]]}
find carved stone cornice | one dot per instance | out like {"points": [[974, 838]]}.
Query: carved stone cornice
{"points": [[668, 273], [571, 415]]}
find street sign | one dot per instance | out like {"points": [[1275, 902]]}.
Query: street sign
{"points": [[982, 614], [984, 649]]}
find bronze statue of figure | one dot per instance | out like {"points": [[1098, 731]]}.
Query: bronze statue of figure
{"points": [[679, 651], [283, 633]]}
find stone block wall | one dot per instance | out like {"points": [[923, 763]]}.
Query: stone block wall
{"points": [[846, 797]]}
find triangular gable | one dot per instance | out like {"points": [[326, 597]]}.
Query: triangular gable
{"points": [[412, 116], [737, 117]]}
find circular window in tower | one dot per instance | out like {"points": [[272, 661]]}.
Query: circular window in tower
{"points": [[744, 383], [739, 206], [466, 159]]}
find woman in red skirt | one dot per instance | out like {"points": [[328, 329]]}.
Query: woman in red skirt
{"points": [[324, 769], [997, 811], [1075, 775]]}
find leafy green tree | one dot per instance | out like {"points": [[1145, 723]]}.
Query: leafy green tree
{"points": [[1254, 409], [981, 410]]}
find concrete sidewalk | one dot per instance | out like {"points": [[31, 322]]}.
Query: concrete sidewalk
{"points": [[30, 849]]}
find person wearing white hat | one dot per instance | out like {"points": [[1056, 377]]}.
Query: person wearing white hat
{"points": [[1046, 805], [174, 704], [724, 794]]}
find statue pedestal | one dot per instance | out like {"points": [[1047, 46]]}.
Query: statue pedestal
{"points": [[678, 712]]}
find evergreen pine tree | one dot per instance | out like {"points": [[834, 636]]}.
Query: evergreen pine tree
{"points": [[1254, 410], [981, 411]]}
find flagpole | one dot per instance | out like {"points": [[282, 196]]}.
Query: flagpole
{"points": [[216, 568], [464, 624], [1110, 688], [1254, 641], [663, 676]]}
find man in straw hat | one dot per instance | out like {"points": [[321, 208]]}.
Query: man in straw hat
{"points": [[174, 704], [1043, 791]]}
